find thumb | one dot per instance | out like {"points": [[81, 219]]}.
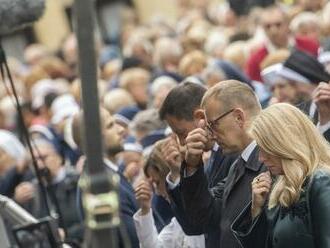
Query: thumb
{"points": [[201, 124], [269, 174]]}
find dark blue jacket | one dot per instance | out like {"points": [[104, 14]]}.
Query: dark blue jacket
{"points": [[128, 207], [11, 179]]}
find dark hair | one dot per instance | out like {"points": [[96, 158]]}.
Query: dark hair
{"points": [[182, 101], [49, 99]]}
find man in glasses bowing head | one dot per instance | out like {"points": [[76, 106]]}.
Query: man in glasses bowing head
{"points": [[230, 107]]}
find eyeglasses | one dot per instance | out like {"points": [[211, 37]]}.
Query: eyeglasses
{"points": [[212, 124]]}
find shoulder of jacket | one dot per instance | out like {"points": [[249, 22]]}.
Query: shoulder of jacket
{"points": [[319, 179]]}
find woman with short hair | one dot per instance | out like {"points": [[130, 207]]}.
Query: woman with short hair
{"points": [[290, 203]]}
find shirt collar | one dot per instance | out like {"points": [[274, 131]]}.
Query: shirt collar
{"points": [[215, 147], [248, 151], [272, 48], [110, 165], [312, 110]]}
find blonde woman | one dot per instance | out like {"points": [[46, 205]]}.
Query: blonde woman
{"points": [[172, 235], [290, 203]]}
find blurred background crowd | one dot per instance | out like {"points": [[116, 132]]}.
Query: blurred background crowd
{"points": [[281, 51]]}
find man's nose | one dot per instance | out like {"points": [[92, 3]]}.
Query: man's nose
{"points": [[182, 140]]}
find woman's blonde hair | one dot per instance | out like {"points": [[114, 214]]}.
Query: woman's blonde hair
{"points": [[283, 131]]}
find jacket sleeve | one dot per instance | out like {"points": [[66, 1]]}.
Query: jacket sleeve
{"points": [[198, 207], [320, 205], [176, 206], [251, 233], [9, 181]]}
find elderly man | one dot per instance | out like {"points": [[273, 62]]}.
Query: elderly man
{"points": [[230, 107]]}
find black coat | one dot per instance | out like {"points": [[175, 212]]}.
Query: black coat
{"points": [[62, 199], [305, 224], [205, 210], [128, 206], [216, 171], [305, 107], [218, 166]]}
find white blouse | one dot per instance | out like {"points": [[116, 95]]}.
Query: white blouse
{"points": [[172, 235]]}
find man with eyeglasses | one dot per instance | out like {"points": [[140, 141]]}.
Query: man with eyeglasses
{"points": [[275, 23], [181, 110], [230, 107]]}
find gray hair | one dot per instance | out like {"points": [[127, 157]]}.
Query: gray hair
{"points": [[160, 82], [146, 122], [303, 19], [166, 49]]}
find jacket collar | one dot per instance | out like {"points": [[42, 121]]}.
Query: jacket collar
{"points": [[248, 151], [253, 161]]}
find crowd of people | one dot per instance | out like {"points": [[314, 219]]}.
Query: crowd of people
{"points": [[217, 125]]}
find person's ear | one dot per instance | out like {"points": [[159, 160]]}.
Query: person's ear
{"points": [[239, 116], [199, 114]]}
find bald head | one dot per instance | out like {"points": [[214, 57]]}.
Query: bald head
{"points": [[233, 94]]}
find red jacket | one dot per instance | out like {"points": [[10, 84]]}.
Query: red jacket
{"points": [[253, 70]]}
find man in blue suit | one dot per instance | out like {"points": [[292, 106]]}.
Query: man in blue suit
{"points": [[112, 134]]}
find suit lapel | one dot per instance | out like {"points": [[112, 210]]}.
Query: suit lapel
{"points": [[236, 172]]}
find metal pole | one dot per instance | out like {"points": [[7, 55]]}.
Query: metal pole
{"points": [[100, 196], [88, 74]]}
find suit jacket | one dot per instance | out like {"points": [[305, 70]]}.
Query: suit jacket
{"points": [[217, 170], [128, 207], [9, 181], [205, 210], [305, 107], [218, 166]]}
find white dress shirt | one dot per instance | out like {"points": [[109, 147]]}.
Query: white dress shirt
{"points": [[248, 151], [172, 235], [110, 164]]}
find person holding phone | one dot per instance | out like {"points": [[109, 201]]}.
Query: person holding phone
{"points": [[293, 209]]}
